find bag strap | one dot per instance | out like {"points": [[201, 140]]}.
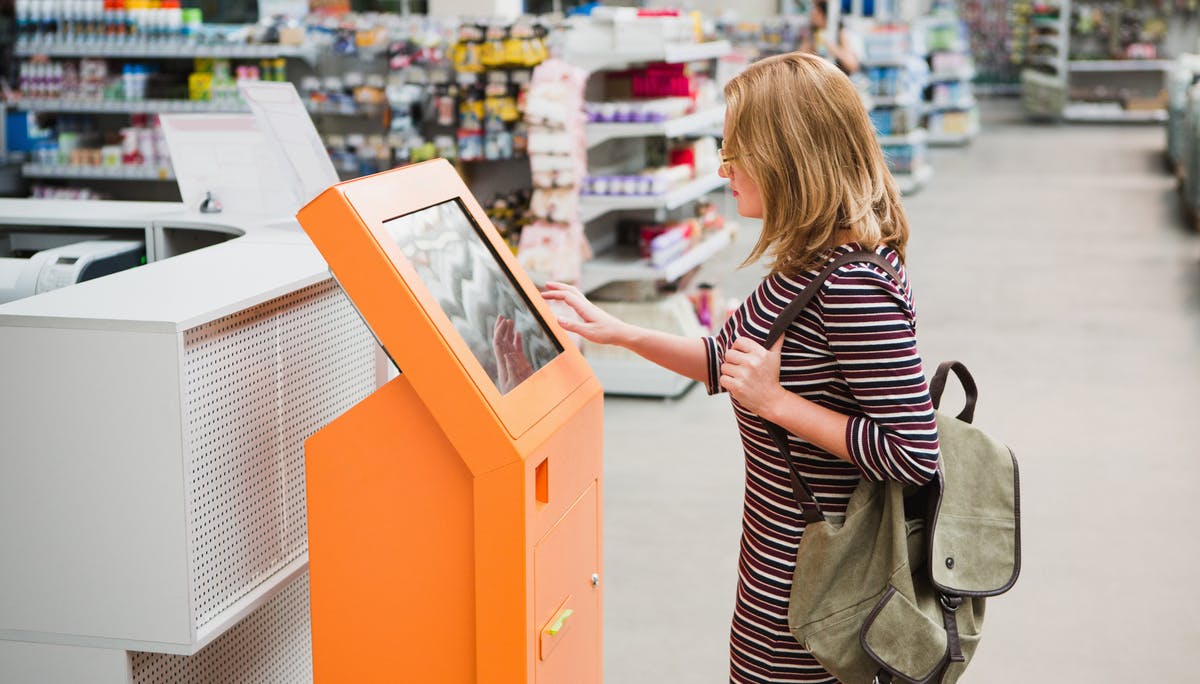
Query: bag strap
{"points": [[938, 385], [800, 489]]}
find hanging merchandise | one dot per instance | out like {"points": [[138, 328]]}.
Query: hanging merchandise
{"points": [[554, 247], [470, 82], [995, 38]]}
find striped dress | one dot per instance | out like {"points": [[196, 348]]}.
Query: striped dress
{"points": [[852, 350]]}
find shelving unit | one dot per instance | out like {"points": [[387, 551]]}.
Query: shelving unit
{"points": [[126, 173], [617, 144], [898, 77], [1090, 71], [592, 207], [101, 114], [617, 265], [1044, 76], [911, 182], [129, 106], [688, 125], [669, 53], [1147, 77], [949, 109], [307, 53]]}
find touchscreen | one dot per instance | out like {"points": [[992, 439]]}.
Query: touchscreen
{"points": [[458, 267]]}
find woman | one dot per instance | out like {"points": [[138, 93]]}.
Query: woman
{"points": [[845, 380], [844, 50]]}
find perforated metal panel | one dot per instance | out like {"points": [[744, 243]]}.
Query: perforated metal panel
{"points": [[259, 383], [273, 645]]}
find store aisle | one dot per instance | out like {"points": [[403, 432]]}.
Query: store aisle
{"points": [[1052, 260]]}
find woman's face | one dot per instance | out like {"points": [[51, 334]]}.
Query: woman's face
{"points": [[745, 190]]}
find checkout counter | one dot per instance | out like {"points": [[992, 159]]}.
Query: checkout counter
{"points": [[152, 425], [182, 435]]}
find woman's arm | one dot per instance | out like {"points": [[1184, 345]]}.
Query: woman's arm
{"points": [[844, 51], [683, 355], [871, 337]]}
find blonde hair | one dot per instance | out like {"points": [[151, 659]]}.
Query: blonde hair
{"points": [[798, 127]]}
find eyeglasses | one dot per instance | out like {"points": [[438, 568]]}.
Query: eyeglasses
{"points": [[726, 167]]}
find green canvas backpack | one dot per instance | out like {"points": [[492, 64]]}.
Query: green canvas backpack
{"points": [[895, 589]]}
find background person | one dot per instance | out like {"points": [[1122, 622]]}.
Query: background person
{"points": [[845, 51]]}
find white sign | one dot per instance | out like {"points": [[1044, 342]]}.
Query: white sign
{"points": [[297, 146], [229, 157]]}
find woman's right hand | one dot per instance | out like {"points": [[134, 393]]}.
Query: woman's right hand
{"points": [[594, 324]]}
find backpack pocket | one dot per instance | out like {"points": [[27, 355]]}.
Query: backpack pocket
{"points": [[903, 639]]}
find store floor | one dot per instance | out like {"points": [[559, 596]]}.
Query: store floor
{"points": [[1054, 262]]}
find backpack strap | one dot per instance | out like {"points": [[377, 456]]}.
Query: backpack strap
{"points": [[800, 489], [938, 384]]}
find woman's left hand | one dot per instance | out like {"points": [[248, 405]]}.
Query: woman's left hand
{"points": [[751, 374]]}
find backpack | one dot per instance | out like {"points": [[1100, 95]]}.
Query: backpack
{"points": [[895, 590]]}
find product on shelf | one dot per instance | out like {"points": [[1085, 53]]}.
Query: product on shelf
{"points": [[1120, 30], [626, 29], [553, 246], [638, 111], [77, 142], [93, 80], [904, 159], [661, 243], [40, 191], [892, 121], [766, 37]]}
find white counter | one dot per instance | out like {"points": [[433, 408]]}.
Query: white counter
{"points": [[151, 430]]}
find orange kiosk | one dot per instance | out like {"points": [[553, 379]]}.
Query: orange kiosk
{"points": [[454, 515]]}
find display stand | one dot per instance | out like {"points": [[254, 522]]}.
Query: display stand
{"points": [[619, 148], [454, 515]]}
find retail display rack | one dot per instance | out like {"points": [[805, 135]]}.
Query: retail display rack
{"points": [[951, 112], [1183, 133], [1104, 60], [621, 189], [103, 94], [996, 43], [898, 77], [1043, 29]]}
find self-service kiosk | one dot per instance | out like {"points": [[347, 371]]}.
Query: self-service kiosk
{"points": [[454, 515]]}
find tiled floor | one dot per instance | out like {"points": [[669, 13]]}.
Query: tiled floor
{"points": [[1054, 262]]}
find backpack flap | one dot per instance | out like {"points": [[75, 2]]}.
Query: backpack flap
{"points": [[975, 536]]}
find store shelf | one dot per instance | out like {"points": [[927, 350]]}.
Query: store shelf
{"points": [[164, 50], [1089, 113], [1046, 60], [340, 109], [672, 54], [1045, 22], [594, 206], [963, 103], [911, 182], [612, 267], [895, 100], [129, 107], [915, 137], [953, 75], [951, 139], [699, 122], [1078, 65], [145, 173], [886, 62]]}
